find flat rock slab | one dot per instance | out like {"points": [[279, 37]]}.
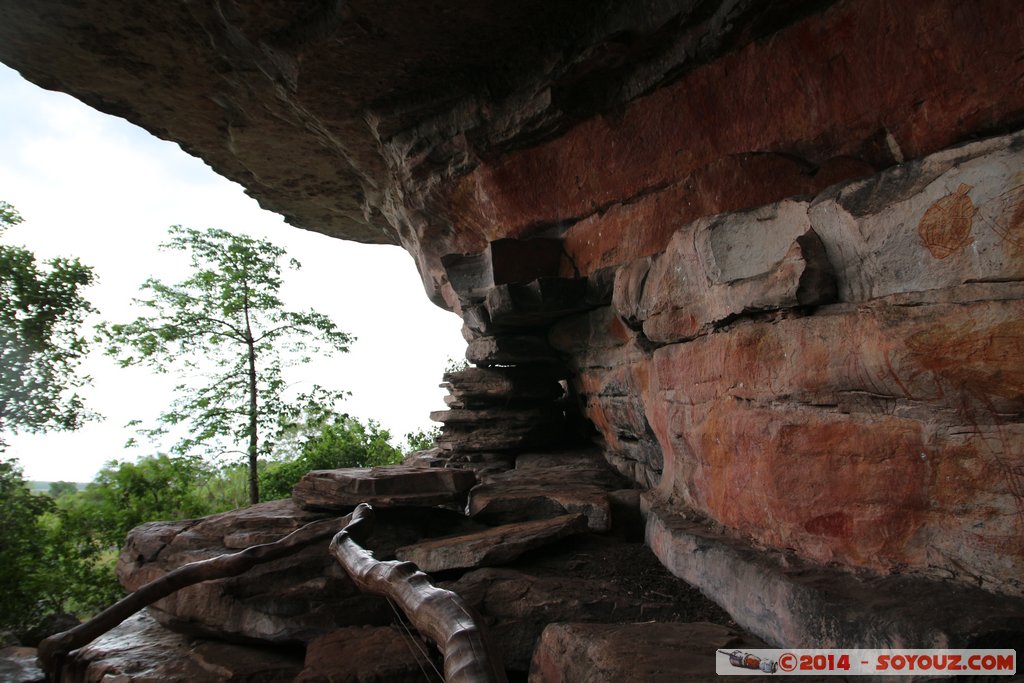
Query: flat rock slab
{"points": [[510, 350], [491, 547], [497, 437], [142, 650], [803, 605], [473, 417], [382, 486], [548, 485], [650, 652], [501, 503], [500, 386], [362, 654]]}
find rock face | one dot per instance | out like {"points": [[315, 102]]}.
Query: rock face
{"points": [[770, 253], [141, 650], [289, 601]]}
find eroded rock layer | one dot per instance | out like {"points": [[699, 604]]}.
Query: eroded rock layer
{"points": [[769, 253]]}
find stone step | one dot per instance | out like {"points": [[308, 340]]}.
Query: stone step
{"points": [[362, 653], [511, 350], [497, 437], [538, 303], [502, 386], [494, 546], [541, 489], [382, 486], [584, 578], [511, 417]]}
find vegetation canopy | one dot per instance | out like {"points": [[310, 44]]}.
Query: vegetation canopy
{"points": [[41, 311], [227, 325]]}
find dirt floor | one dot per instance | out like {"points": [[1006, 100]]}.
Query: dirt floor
{"points": [[632, 567]]}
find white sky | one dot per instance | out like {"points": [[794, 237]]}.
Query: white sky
{"points": [[97, 187]]}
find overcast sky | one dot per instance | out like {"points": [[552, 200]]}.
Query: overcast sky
{"points": [[97, 187]]}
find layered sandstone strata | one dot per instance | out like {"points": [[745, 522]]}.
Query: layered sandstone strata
{"points": [[774, 248]]}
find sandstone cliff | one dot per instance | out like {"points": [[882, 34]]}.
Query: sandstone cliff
{"points": [[773, 250]]}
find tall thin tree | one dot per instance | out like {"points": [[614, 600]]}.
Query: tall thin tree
{"points": [[227, 323]]}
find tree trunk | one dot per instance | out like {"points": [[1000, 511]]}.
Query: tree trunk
{"points": [[254, 479], [254, 482]]}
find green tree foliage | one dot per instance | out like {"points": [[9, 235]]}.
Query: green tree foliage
{"points": [[20, 548], [340, 442], [59, 489], [124, 495], [226, 322], [41, 311], [421, 440], [46, 566]]}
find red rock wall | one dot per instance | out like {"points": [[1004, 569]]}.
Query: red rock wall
{"points": [[838, 374], [857, 88]]}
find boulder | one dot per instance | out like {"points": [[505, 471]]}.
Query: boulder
{"points": [[142, 650], [291, 600], [649, 652], [382, 486], [494, 546], [366, 654], [721, 267], [19, 665]]}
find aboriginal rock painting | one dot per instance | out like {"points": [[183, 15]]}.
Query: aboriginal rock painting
{"points": [[945, 228]]}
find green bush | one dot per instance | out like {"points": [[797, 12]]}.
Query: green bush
{"points": [[345, 442], [47, 564]]}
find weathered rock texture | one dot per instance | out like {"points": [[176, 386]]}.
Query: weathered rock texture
{"points": [[773, 249], [650, 652], [382, 486], [141, 650], [365, 655], [521, 576], [497, 545], [288, 601]]}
